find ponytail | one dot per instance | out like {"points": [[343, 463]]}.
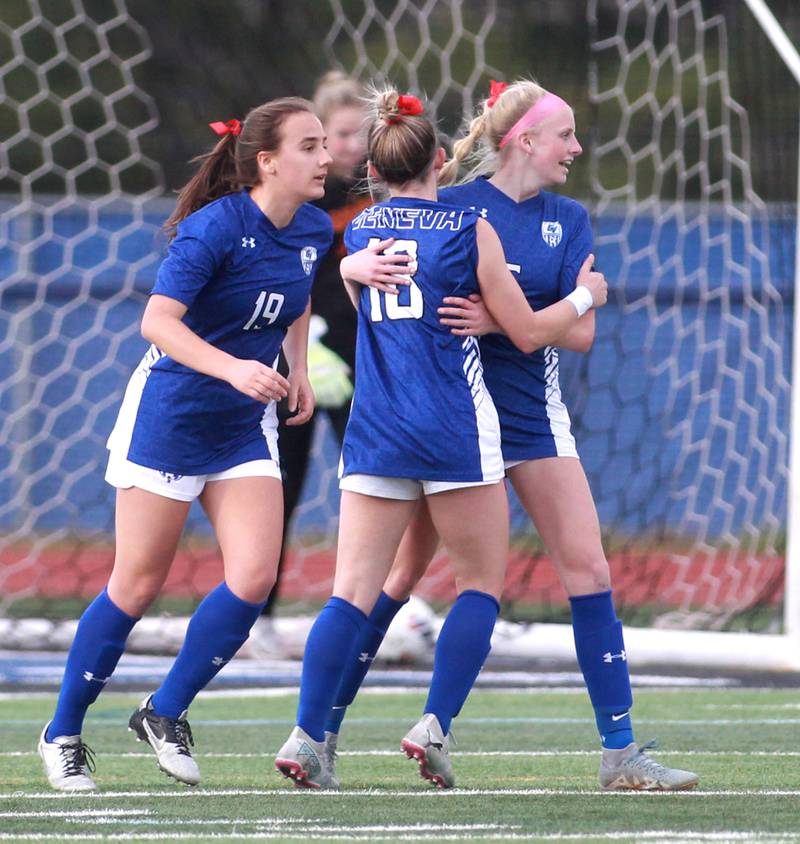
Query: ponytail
{"points": [[232, 164]]}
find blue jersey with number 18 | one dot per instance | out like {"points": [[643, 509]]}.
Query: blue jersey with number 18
{"points": [[420, 408]]}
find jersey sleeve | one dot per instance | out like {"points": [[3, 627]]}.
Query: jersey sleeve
{"points": [[578, 248], [195, 256]]}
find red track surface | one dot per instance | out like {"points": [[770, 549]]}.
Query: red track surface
{"points": [[721, 580]]}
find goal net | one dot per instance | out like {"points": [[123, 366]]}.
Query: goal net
{"points": [[681, 409]]}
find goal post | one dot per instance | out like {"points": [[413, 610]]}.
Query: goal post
{"points": [[791, 614]]}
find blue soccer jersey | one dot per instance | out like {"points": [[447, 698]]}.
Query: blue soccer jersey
{"points": [[546, 239], [420, 408], [244, 282]]}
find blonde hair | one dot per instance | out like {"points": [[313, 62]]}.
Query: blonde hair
{"points": [[400, 146], [480, 147], [336, 90]]}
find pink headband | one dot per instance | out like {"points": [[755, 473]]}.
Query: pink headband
{"points": [[539, 111]]}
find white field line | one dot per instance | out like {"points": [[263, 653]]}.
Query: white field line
{"points": [[459, 753], [353, 833], [372, 793], [278, 722]]}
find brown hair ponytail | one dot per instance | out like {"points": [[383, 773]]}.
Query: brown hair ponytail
{"points": [[231, 165]]}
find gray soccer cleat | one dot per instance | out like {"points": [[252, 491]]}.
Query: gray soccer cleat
{"points": [[68, 762], [305, 761], [170, 738], [426, 743], [632, 769]]}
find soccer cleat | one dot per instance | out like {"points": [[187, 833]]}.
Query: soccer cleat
{"points": [[170, 738], [426, 743], [68, 762], [632, 769], [306, 761]]}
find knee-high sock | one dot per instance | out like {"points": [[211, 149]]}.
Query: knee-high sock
{"points": [[98, 644], [218, 628], [604, 663], [360, 659], [461, 649], [330, 642]]}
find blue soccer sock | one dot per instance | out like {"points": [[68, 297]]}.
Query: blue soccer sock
{"points": [[218, 628], [330, 642], [98, 644], [604, 663], [360, 659], [462, 647]]}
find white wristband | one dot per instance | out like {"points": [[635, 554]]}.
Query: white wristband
{"points": [[580, 299]]}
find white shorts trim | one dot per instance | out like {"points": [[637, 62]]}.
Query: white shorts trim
{"points": [[123, 474], [403, 489]]}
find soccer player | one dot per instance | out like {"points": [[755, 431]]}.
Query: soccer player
{"points": [[422, 424], [198, 421], [527, 143]]}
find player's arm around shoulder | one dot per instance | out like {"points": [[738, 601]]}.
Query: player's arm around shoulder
{"points": [[527, 330]]}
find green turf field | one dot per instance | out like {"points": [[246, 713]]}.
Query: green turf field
{"points": [[526, 765]]}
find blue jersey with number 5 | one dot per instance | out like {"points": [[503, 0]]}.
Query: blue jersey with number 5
{"points": [[244, 282], [420, 408]]}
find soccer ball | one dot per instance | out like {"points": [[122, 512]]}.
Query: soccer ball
{"points": [[412, 634]]}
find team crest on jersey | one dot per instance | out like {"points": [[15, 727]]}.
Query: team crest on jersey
{"points": [[308, 254], [551, 233]]}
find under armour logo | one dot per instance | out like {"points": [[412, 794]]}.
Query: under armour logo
{"points": [[89, 677], [249, 241], [609, 657], [365, 657], [218, 660]]}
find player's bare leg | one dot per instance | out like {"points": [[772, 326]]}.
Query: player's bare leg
{"points": [[246, 514], [555, 493], [473, 524]]}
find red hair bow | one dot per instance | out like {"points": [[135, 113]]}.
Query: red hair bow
{"points": [[232, 127], [408, 104], [495, 89]]}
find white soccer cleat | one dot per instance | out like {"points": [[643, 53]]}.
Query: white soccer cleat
{"points": [[631, 769], [68, 762], [170, 738], [305, 761], [426, 743]]}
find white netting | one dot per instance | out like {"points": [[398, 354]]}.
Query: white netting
{"points": [[76, 247], [689, 242], [680, 410]]}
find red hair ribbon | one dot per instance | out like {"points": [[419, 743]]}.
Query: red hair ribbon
{"points": [[232, 127], [495, 89]]}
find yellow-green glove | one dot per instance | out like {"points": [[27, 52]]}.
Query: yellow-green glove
{"points": [[328, 373]]}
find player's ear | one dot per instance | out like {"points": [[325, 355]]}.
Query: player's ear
{"points": [[526, 142], [439, 159], [266, 163], [372, 172]]}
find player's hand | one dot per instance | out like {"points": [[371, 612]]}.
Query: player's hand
{"points": [[301, 398], [383, 272], [257, 381], [595, 282], [467, 316]]}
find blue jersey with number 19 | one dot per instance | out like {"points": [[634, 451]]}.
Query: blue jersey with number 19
{"points": [[420, 408], [244, 282]]}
